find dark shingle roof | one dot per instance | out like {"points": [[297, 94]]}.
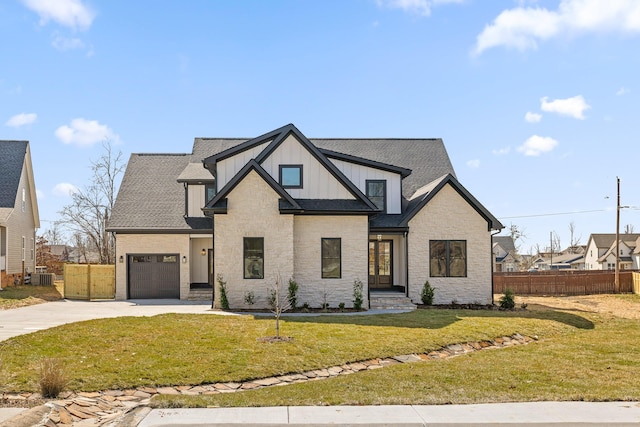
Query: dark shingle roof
{"points": [[506, 242], [11, 161], [150, 198]]}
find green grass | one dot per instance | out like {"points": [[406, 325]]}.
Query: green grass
{"points": [[176, 349], [599, 364], [20, 296]]}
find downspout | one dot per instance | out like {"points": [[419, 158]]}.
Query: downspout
{"points": [[186, 200], [213, 263], [406, 262], [492, 262]]}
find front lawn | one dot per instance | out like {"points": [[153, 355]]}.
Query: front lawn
{"points": [[176, 349], [20, 296]]}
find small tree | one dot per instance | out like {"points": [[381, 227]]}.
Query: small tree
{"points": [[292, 295], [427, 293], [358, 294], [222, 288], [508, 301], [278, 303]]}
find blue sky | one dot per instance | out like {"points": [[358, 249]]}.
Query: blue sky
{"points": [[537, 102]]}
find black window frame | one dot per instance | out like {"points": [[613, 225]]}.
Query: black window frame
{"points": [[300, 169], [448, 258], [245, 258], [324, 257], [208, 187], [384, 192]]}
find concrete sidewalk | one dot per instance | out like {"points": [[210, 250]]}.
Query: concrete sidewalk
{"points": [[620, 414]]}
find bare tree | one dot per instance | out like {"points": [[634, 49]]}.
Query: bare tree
{"points": [[279, 303], [555, 244], [574, 241], [91, 207], [517, 234], [54, 234], [628, 229]]}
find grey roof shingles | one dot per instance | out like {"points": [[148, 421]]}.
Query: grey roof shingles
{"points": [[12, 155], [150, 198]]}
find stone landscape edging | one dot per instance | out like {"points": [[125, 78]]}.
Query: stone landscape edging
{"points": [[109, 406]]}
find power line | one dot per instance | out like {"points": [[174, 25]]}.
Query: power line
{"points": [[552, 214]]}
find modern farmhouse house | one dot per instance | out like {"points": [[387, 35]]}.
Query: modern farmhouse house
{"points": [[323, 212]]}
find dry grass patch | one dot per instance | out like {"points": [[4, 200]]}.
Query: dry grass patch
{"points": [[21, 296]]}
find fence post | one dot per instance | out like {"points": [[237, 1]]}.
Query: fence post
{"points": [[89, 282]]}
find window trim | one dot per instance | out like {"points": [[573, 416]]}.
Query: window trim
{"points": [[447, 251], [384, 191], [322, 257], [286, 166], [244, 259], [206, 188]]}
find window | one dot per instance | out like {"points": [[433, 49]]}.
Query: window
{"points": [[32, 249], [448, 258], [254, 258], [23, 248], [209, 192], [377, 193], [331, 258], [291, 176], [24, 202], [611, 266]]}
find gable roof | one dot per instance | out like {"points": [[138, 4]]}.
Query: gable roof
{"points": [[12, 155], [428, 192], [218, 203], [606, 240], [505, 242]]}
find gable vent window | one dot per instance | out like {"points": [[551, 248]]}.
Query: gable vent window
{"points": [[24, 200], [377, 193], [290, 176]]}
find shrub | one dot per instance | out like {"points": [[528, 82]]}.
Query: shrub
{"points": [[341, 306], [358, 296], [508, 302], [426, 295], [222, 287], [306, 307], [249, 298], [292, 294], [52, 378]]}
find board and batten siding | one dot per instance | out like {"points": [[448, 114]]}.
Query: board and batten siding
{"points": [[359, 174], [21, 224], [195, 200], [317, 181], [151, 244], [228, 168], [449, 217]]}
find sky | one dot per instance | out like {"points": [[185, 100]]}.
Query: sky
{"points": [[538, 102]]}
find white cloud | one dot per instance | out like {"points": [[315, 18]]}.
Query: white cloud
{"points": [[474, 164], [69, 13], [501, 151], [420, 7], [84, 132], [536, 145], [21, 119], [572, 107], [64, 189], [67, 43], [522, 28], [532, 117], [39, 194], [622, 91]]}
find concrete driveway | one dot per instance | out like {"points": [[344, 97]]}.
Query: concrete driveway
{"points": [[24, 320]]}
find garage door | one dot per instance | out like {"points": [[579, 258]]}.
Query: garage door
{"points": [[154, 276]]}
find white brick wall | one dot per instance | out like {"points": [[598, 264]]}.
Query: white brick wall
{"points": [[449, 217], [309, 230], [151, 244], [252, 211]]}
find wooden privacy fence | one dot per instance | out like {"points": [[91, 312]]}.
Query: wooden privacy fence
{"points": [[570, 282], [86, 281]]}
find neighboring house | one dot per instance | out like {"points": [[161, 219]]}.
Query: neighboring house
{"points": [[18, 212], [505, 254], [601, 252], [560, 261], [323, 212], [84, 256]]}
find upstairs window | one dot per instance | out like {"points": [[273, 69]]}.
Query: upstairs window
{"points": [[448, 258], [24, 200], [377, 193], [209, 192], [253, 257], [291, 176]]}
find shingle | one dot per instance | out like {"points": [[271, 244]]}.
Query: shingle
{"points": [[11, 161]]}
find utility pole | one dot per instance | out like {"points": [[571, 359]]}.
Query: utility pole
{"points": [[551, 247], [616, 286]]}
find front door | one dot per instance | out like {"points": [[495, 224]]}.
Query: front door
{"points": [[380, 264]]}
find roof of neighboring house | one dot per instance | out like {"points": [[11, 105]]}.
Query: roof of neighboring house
{"points": [[12, 155], [605, 240], [505, 242]]}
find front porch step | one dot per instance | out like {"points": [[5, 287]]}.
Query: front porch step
{"points": [[390, 301], [200, 294]]}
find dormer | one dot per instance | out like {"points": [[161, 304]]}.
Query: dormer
{"points": [[199, 188]]}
